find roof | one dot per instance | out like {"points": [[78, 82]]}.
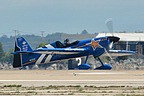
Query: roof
{"points": [[125, 36]]}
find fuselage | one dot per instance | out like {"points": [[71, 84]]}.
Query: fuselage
{"points": [[94, 46]]}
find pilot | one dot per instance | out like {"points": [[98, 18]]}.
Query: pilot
{"points": [[66, 42]]}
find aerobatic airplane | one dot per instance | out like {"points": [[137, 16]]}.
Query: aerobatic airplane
{"points": [[25, 56]]}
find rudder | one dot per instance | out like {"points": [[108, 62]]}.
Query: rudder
{"points": [[20, 45]]}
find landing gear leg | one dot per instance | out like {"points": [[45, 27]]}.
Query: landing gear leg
{"points": [[103, 66], [101, 61], [84, 66], [86, 59]]}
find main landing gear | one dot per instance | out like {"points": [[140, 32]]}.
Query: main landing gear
{"points": [[86, 66], [103, 66]]}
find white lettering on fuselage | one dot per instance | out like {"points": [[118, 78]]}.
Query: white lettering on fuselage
{"points": [[32, 59]]}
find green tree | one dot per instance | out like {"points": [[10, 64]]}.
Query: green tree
{"points": [[42, 44], [8, 57], [1, 51], [84, 32]]}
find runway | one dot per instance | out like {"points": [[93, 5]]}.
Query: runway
{"points": [[72, 77], [71, 82]]}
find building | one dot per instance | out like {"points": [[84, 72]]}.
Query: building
{"points": [[128, 41]]}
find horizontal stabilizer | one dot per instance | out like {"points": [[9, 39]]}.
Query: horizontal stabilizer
{"points": [[22, 52]]}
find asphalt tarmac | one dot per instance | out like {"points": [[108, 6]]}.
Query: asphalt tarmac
{"points": [[72, 77]]}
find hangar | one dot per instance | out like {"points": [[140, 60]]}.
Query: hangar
{"points": [[128, 41]]}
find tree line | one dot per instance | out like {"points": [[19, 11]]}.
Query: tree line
{"points": [[5, 57]]}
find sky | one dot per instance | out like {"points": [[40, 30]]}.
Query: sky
{"points": [[69, 16]]}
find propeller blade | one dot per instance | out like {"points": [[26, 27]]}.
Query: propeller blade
{"points": [[111, 45], [109, 25]]}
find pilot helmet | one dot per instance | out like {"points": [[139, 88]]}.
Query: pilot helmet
{"points": [[66, 41]]}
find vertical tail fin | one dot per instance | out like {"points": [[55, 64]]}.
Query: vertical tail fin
{"points": [[20, 45]]}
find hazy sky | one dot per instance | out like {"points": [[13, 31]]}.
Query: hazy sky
{"points": [[69, 16]]}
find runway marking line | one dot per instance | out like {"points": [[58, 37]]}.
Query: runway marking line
{"points": [[101, 73], [70, 80]]}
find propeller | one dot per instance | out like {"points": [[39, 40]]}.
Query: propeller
{"points": [[109, 25], [113, 39]]}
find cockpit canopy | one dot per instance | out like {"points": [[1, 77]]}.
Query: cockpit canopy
{"points": [[58, 44]]}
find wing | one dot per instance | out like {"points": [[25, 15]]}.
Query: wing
{"points": [[54, 51], [120, 52], [60, 50]]}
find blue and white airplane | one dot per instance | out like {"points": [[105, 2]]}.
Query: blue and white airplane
{"points": [[24, 55]]}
